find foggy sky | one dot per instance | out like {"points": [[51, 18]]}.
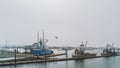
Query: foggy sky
{"points": [[73, 21]]}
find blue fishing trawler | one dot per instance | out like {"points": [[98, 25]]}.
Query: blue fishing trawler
{"points": [[40, 48]]}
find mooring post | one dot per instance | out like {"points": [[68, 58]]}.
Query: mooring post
{"points": [[66, 51], [25, 52], [15, 56], [54, 58], [17, 49], [45, 55], [3, 64]]}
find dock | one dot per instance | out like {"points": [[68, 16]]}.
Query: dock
{"points": [[44, 59], [39, 60]]}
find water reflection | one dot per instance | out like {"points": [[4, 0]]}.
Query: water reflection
{"points": [[79, 63], [66, 64], [109, 62]]}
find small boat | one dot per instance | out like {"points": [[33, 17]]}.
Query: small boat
{"points": [[40, 48], [80, 52]]}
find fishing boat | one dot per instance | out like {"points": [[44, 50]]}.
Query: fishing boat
{"points": [[40, 48], [109, 51], [80, 52]]}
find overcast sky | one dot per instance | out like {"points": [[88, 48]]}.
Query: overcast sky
{"points": [[73, 21]]}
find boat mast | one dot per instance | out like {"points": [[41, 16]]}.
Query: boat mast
{"points": [[43, 35], [43, 39], [82, 42], [86, 44], [38, 38], [6, 43], [112, 45]]}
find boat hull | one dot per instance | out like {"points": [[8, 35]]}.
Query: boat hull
{"points": [[41, 52]]}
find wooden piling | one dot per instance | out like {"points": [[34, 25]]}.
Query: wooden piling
{"points": [[15, 56], [66, 52]]}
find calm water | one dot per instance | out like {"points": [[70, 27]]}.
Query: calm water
{"points": [[106, 62]]}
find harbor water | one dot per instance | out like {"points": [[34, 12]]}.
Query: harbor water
{"points": [[103, 62]]}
